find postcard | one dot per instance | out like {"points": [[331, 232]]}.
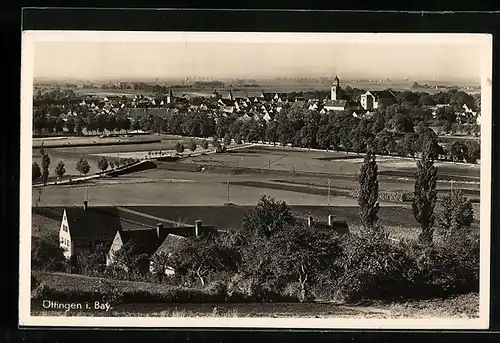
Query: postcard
{"points": [[255, 180]]}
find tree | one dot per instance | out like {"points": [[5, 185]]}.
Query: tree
{"points": [[368, 193], [50, 124], [408, 145], [215, 141], [179, 147], [92, 124], [218, 147], [447, 126], [428, 141], [268, 217], [46, 256], [101, 122], [227, 139], [204, 144], [60, 170], [458, 152], [45, 168], [473, 151], [111, 164], [385, 142], [111, 123], [36, 173], [203, 255], [425, 194], [83, 166], [136, 125], [123, 123], [192, 145], [271, 133], [304, 255], [456, 215], [401, 122], [102, 163], [79, 125], [59, 125], [70, 125]]}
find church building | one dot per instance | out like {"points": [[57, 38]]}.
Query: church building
{"points": [[336, 102]]}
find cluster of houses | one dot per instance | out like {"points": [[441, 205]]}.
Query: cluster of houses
{"points": [[259, 107], [85, 227]]}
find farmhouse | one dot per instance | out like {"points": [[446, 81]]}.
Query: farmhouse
{"points": [[151, 241], [86, 227], [166, 248]]}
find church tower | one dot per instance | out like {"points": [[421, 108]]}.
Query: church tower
{"points": [[170, 97], [336, 89]]}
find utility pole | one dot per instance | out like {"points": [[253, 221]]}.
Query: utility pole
{"points": [[39, 196], [228, 191], [329, 182], [87, 193], [269, 164]]}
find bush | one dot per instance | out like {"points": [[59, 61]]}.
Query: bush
{"points": [[372, 267]]}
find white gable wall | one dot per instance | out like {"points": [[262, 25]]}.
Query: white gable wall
{"points": [[65, 237]]}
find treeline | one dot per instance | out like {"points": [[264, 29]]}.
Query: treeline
{"points": [[82, 166], [278, 257], [395, 130]]}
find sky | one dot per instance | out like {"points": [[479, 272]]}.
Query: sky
{"points": [[92, 60]]}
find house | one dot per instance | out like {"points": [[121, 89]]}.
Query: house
{"points": [[86, 227], [149, 240], [166, 249], [374, 99]]}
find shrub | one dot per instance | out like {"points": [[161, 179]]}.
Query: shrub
{"points": [[371, 267]]}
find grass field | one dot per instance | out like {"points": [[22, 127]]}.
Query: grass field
{"points": [[463, 306], [322, 162]]}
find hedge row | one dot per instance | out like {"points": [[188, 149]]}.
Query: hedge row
{"points": [[392, 195]]}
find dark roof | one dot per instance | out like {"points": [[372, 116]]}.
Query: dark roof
{"points": [[382, 94], [336, 103], [144, 241], [169, 243], [227, 102], [102, 222]]}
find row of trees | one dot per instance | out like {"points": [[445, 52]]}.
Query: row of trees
{"points": [[43, 122], [82, 166]]}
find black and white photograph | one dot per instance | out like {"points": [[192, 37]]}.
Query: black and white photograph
{"points": [[255, 180]]}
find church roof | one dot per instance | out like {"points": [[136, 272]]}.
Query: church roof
{"points": [[336, 103]]}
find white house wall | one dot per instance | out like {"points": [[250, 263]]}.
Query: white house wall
{"points": [[65, 237]]}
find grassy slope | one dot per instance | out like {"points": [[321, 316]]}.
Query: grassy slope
{"points": [[460, 306]]}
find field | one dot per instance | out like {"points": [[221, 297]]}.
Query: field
{"points": [[198, 187], [299, 177], [271, 85]]}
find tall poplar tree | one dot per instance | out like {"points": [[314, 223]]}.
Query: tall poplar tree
{"points": [[425, 193], [368, 192]]}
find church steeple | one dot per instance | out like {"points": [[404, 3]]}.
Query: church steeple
{"points": [[336, 81], [335, 91]]}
